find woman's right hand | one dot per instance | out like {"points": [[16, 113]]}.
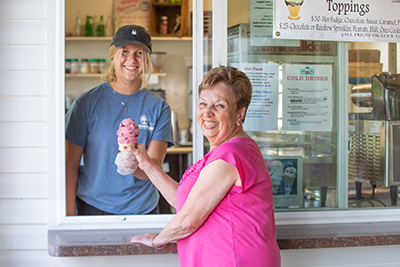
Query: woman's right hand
{"points": [[141, 155]]}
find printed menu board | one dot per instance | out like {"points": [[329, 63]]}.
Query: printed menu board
{"points": [[262, 113], [355, 20], [307, 97]]}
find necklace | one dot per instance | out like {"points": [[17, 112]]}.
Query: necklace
{"points": [[125, 106]]}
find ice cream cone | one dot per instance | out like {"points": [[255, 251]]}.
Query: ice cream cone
{"points": [[294, 8], [288, 179], [127, 134], [294, 12]]}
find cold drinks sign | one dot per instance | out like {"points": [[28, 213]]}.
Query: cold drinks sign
{"points": [[337, 20]]}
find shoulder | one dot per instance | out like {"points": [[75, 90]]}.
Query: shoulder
{"points": [[237, 145], [154, 101], [146, 93], [235, 150], [93, 94], [228, 148]]}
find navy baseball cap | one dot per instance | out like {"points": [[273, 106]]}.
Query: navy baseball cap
{"points": [[132, 34]]}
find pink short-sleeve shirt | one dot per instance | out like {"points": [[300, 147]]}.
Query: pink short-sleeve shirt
{"points": [[241, 229]]}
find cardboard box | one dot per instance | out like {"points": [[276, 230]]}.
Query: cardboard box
{"points": [[364, 70], [358, 55]]}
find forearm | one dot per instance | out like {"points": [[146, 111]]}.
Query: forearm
{"points": [[178, 228], [71, 181], [165, 184], [140, 174]]}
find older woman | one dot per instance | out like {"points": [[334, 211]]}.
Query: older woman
{"points": [[91, 124], [224, 201]]}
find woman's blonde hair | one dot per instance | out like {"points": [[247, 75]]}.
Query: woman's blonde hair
{"points": [[108, 74]]}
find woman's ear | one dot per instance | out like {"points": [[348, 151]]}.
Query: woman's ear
{"points": [[240, 116]]}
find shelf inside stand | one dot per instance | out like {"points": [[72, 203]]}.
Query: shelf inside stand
{"points": [[170, 10]]}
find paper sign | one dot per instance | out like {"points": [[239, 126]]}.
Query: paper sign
{"points": [[307, 97], [287, 180], [337, 20], [262, 114], [261, 25]]}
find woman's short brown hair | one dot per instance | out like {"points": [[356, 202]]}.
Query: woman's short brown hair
{"points": [[108, 74], [236, 80]]}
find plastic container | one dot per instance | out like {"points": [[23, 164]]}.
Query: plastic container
{"points": [[67, 65], [157, 59], [75, 66], [94, 66], [84, 66], [102, 64]]}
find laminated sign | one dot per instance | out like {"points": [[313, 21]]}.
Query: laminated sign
{"points": [[337, 20], [131, 12]]}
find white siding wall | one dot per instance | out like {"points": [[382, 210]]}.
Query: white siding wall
{"points": [[23, 192], [24, 170]]}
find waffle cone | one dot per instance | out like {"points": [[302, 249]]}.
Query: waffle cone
{"points": [[287, 180], [121, 146]]}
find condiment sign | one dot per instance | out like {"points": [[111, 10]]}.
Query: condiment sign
{"points": [[337, 20]]}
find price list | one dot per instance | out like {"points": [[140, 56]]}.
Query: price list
{"points": [[307, 97]]}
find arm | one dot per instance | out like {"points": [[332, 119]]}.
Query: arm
{"points": [[73, 154], [152, 170], [214, 182]]}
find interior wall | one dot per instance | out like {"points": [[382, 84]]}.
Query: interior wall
{"points": [[238, 12], [175, 82]]}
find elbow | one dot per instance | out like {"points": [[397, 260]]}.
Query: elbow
{"points": [[189, 225], [187, 229]]}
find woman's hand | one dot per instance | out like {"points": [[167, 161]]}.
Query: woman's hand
{"points": [[146, 239], [140, 152]]}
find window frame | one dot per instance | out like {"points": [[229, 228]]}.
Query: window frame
{"points": [[56, 134]]}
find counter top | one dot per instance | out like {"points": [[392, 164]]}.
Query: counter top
{"points": [[179, 150], [64, 243]]}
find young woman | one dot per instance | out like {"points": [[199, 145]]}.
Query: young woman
{"points": [[95, 187]]}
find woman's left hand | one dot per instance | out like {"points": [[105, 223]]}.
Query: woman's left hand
{"points": [[144, 239]]}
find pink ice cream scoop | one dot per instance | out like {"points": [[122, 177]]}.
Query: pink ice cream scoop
{"points": [[127, 133]]}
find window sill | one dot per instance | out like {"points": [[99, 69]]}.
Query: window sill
{"points": [[113, 242]]}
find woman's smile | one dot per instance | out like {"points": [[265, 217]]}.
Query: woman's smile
{"points": [[217, 114], [210, 124]]}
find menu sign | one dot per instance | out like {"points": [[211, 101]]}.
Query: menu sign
{"points": [[262, 114], [307, 97], [261, 25], [338, 20]]}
